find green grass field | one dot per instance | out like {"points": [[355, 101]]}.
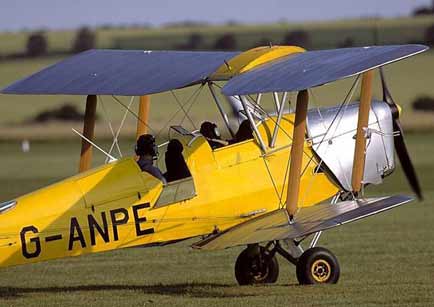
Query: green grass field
{"points": [[386, 259]]}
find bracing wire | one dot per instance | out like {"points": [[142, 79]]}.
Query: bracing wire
{"points": [[183, 110], [267, 115], [273, 182], [285, 176], [344, 103], [133, 113], [106, 115], [190, 107], [121, 124], [193, 96]]}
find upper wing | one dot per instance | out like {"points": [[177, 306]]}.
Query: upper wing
{"points": [[312, 68], [276, 226], [122, 72], [135, 72]]}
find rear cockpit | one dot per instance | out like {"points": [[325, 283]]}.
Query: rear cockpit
{"points": [[176, 165]]}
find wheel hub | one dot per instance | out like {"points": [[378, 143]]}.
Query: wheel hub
{"points": [[259, 269], [321, 270]]}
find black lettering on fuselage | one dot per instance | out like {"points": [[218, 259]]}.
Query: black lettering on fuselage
{"points": [[37, 249], [103, 231], [118, 221], [75, 227], [53, 238], [118, 217], [138, 220]]}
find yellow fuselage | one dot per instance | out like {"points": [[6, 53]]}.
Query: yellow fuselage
{"points": [[113, 206]]}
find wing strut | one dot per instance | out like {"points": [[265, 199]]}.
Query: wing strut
{"points": [[88, 132], [297, 152], [142, 119], [362, 123]]}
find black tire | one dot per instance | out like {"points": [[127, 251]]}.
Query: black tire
{"points": [[259, 268], [317, 266]]}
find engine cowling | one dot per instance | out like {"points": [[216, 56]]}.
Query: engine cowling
{"points": [[333, 139]]}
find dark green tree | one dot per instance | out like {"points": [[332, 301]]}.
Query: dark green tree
{"points": [[226, 42], [297, 38], [36, 44], [84, 40]]}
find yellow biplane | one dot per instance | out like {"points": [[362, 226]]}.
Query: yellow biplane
{"points": [[301, 172]]}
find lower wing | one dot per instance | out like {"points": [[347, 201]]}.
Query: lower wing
{"points": [[277, 226]]}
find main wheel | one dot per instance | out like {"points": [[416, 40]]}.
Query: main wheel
{"points": [[256, 267], [317, 266]]}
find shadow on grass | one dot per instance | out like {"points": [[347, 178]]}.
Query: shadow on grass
{"points": [[199, 290]]}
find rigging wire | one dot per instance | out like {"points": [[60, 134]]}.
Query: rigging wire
{"points": [[190, 107], [194, 95], [121, 124], [115, 139], [267, 115], [258, 107], [133, 113], [280, 196], [183, 110], [273, 182], [285, 176], [344, 105]]}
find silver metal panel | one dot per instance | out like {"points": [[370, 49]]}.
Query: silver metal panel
{"points": [[176, 191], [334, 142], [313, 68], [276, 226], [122, 72]]}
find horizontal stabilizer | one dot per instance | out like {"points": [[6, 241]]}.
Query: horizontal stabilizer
{"points": [[313, 68], [276, 226], [122, 72]]}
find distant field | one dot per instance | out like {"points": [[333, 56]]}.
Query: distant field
{"points": [[407, 80], [322, 34], [385, 260]]}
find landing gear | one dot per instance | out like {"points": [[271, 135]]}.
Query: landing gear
{"points": [[256, 265], [317, 265]]}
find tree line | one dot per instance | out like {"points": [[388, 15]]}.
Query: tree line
{"points": [[37, 43], [86, 38]]}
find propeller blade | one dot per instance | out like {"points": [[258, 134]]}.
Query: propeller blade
{"points": [[387, 97], [386, 93], [400, 147], [404, 159]]}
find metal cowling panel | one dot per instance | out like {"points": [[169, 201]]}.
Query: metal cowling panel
{"points": [[333, 141]]}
